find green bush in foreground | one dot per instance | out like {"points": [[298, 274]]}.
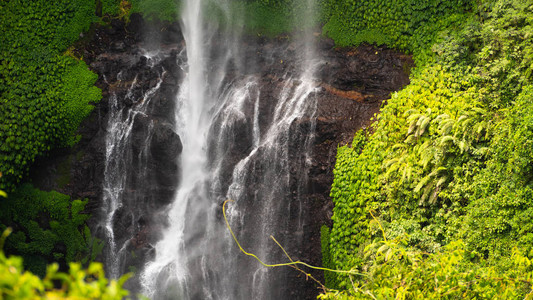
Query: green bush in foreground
{"points": [[396, 271], [77, 283]]}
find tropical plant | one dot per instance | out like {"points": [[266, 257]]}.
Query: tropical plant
{"points": [[77, 283]]}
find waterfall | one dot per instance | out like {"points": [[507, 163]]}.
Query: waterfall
{"points": [[245, 117]]}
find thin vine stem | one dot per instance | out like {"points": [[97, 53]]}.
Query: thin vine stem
{"points": [[292, 263]]}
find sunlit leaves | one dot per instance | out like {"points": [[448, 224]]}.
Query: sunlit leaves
{"points": [[77, 283], [396, 271]]}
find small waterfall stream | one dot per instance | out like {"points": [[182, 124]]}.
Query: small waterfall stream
{"points": [[247, 133], [119, 159]]}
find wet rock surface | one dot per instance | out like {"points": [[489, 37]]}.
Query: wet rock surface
{"points": [[129, 69], [353, 83], [372, 72]]}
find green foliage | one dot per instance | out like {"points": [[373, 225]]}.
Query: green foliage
{"points": [[2, 193], [266, 19], [110, 7], [76, 91], [395, 271], [499, 215], [330, 277], [497, 48], [44, 95], [449, 159], [91, 283], [403, 165], [59, 24], [49, 227], [164, 10], [408, 25]]}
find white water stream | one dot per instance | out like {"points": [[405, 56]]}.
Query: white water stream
{"points": [[241, 141]]}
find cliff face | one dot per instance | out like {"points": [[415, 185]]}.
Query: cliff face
{"points": [[353, 84]]}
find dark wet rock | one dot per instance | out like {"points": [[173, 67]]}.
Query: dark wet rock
{"points": [[325, 44], [165, 148], [136, 25], [118, 46], [372, 71], [165, 143]]}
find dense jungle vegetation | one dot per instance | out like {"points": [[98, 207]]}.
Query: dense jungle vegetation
{"points": [[434, 200]]}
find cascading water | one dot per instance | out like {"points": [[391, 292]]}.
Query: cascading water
{"points": [[119, 157], [246, 130], [141, 165], [168, 272]]}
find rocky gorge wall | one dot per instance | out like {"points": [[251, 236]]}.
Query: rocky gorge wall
{"points": [[353, 85]]}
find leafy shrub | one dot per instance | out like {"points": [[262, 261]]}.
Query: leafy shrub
{"points": [[327, 262], [408, 25], [15, 283], [395, 271], [49, 227], [404, 164], [164, 10], [44, 95], [110, 7], [499, 214]]}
